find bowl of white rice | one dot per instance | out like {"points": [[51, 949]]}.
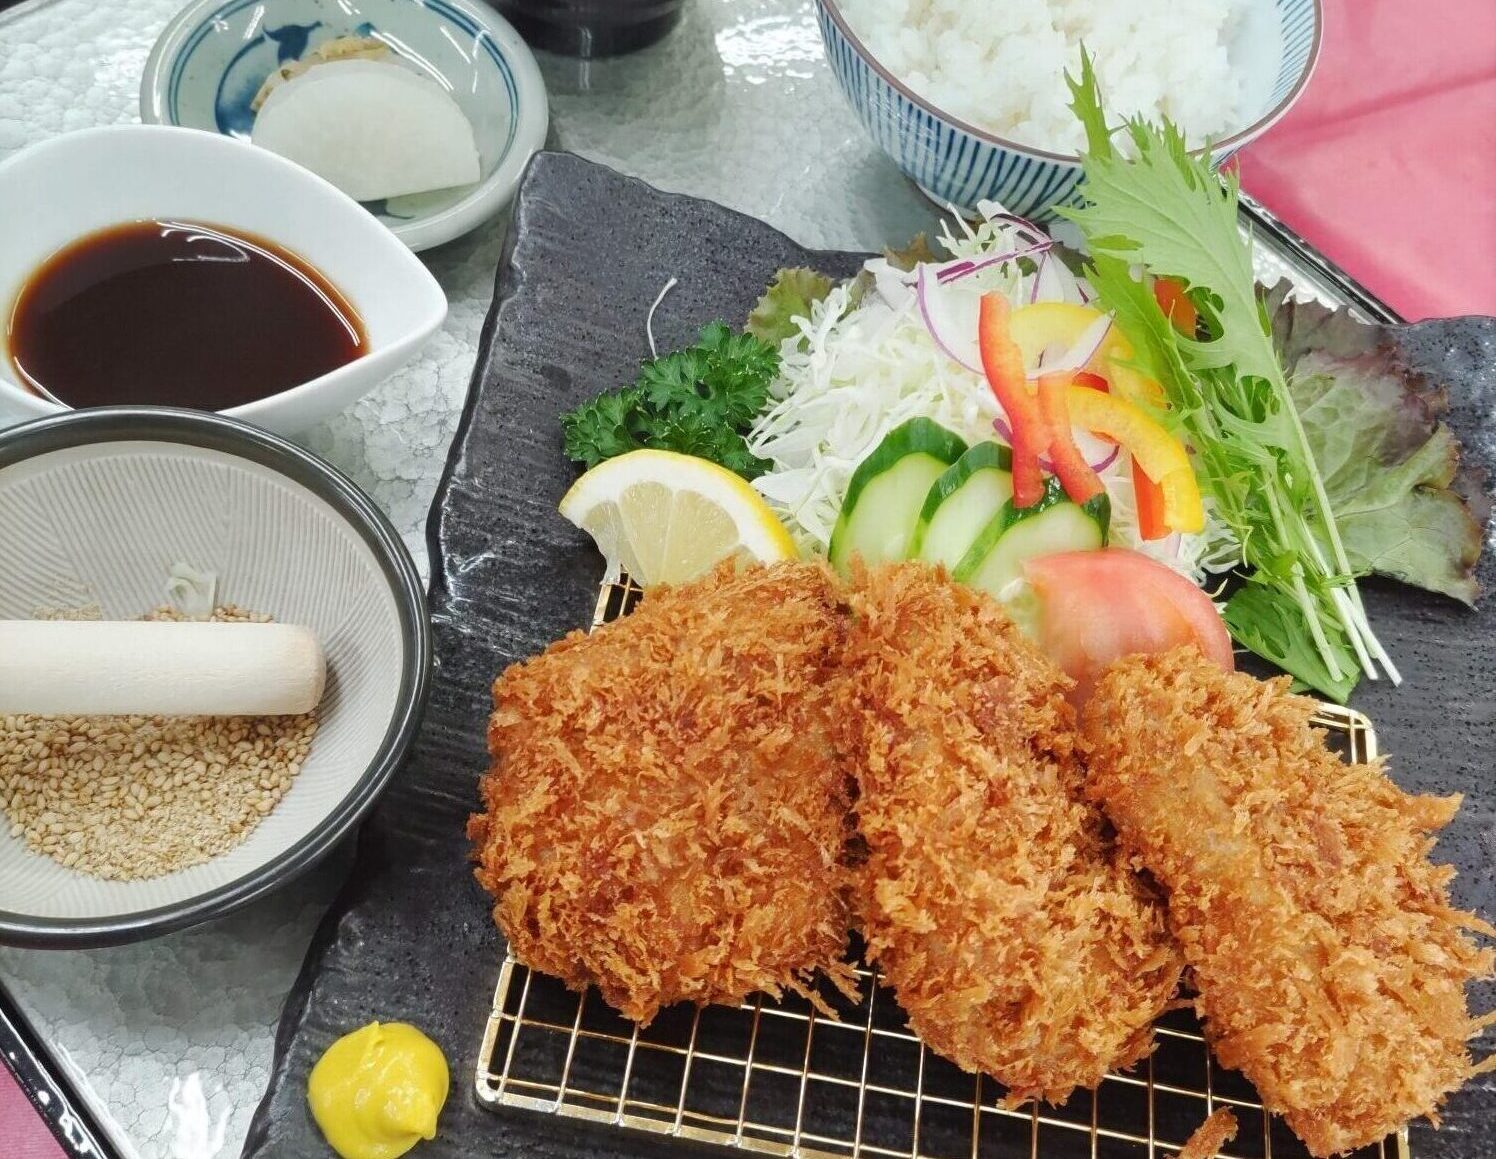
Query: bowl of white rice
{"points": [[969, 97]]}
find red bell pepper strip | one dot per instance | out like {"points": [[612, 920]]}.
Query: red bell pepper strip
{"points": [[1150, 503], [1002, 361], [1175, 303], [1075, 474]]}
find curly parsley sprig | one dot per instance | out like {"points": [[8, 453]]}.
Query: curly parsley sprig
{"points": [[698, 401]]}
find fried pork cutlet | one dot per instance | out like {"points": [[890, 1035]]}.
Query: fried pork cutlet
{"points": [[1330, 964], [665, 817], [1016, 943]]}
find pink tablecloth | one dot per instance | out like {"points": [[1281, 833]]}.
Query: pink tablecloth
{"points": [[23, 1134], [1388, 161]]}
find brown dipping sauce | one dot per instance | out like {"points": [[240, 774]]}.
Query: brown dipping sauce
{"points": [[177, 313]]}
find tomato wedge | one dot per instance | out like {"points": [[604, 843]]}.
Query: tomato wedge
{"points": [[1096, 606]]}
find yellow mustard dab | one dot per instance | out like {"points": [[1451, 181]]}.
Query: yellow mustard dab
{"points": [[377, 1091]]}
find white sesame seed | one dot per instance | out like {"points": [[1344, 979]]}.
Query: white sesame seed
{"points": [[125, 798]]}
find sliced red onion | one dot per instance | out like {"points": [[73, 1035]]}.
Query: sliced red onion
{"points": [[932, 309], [1100, 459], [1081, 353], [1106, 462], [958, 270], [1070, 287], [1100, 453], [1049, 282], [992, 211]]}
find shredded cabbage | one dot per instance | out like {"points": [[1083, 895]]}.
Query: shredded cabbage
{"points": [[858, 368]]}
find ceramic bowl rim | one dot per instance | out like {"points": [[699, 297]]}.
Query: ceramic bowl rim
{"points": [[530, 110], [349, 502], [420, 330], [1224, 146]]}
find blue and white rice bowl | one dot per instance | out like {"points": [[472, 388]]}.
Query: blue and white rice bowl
{"points": [[959, 164], [211, 60]]}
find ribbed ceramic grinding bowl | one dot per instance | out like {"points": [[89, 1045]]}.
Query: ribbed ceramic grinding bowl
{"points": [[96, 508]]}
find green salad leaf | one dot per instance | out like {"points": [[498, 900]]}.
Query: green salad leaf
{"points": [[911, 256], [789, 296], [1260, 619], [698, 401], [1406, 507], [1157, 207]]}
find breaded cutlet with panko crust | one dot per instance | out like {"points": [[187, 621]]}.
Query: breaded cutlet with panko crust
{"points": [[665, 816], [1017, 943], [1330, 965]]}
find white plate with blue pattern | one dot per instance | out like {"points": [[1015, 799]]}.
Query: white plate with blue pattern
{"points": [[212, 58]]}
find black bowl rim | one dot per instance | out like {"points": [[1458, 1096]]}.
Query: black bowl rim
{"points": [[1215, 148], [234, 437]]}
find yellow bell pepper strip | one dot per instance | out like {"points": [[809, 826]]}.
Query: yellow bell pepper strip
{"points": [[1002, 361], [1157, 453], [1149, 496], [1075, 474], [1041, 325]]}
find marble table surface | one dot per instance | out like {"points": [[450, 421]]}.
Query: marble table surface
{"points": [[171, 1039]]}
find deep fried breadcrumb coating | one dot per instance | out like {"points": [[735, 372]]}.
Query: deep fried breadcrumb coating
{"points": [[1210, 1136], [665, 815], [1016, 943], [1330, 964]]}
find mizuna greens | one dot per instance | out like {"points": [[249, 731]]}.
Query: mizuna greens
{"points": [[1165, 211]]}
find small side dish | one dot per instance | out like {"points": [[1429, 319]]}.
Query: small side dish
{"points": [[175, 819], [250, 274], [127, 798], [372, 125], [177, 313], [427, 113], [378, 1091]]}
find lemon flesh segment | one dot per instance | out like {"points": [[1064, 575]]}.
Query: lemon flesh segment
{"points": [[667, 518]]}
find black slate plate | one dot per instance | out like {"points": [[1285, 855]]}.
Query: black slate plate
{"points": [[410, 936]]}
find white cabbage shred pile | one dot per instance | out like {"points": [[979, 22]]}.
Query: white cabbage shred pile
{"points": [[859, 368]]}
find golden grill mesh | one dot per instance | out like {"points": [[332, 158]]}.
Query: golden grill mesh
{"points": [[778, 1078]]}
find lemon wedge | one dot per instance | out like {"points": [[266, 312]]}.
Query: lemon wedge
{"points": [[665, 518]]}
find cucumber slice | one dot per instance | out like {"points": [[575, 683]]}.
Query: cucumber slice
{"points": [[888, 490], [1052, 525], [961, 503]]}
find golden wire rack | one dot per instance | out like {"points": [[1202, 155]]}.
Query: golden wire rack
{"points": [[778, 1078]]}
